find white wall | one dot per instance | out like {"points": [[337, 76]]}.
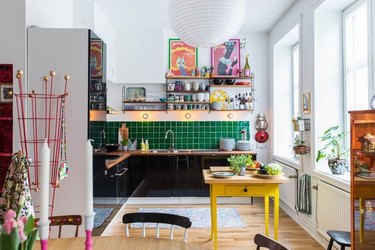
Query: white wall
{"points": [[50, 13]]}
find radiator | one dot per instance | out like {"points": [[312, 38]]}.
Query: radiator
{"points": [[333, 208], [288, 192]]}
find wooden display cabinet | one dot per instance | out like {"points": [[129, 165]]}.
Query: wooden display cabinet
{"points": [[362, 195]]}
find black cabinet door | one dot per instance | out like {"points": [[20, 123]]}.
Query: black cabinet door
{"points": [[184, 176], [103, 185], [137, 173], [158, 178]]}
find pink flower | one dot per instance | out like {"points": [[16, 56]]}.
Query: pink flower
{"points": [[20, 224], [22, 235], [8, 226], [9, 215], [24, 219]]}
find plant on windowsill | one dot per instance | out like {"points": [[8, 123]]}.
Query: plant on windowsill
{"points": [[299, 146], [334, 150], [238, 163]]}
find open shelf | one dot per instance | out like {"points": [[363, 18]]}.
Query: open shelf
{"points": [[230, 86], [143, 102], [190, 91]]}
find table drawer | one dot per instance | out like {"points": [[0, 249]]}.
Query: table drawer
{"points": [[245, 189]]}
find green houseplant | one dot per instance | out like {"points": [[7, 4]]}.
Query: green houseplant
{"points": [[299, 146], [334, 150], [238, 163]]}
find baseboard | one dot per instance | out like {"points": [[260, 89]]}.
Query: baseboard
{"points": [[186, 200], [306, 225]]}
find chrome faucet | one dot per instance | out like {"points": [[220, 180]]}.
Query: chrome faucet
{"points": [[166, 137], [101, 135]]}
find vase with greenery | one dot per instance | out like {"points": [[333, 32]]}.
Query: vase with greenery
{"points": [[238, 163], [334, 150]]}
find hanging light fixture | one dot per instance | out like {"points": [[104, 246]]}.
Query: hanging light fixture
{"points": [[206, 23]]}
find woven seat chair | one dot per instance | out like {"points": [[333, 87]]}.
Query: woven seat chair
{"points": [[172, 219]]}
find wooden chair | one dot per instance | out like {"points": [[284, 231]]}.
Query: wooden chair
{"points": [[62, 220], [172, 219], [264, 241], [340, 237]]}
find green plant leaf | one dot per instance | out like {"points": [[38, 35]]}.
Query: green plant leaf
{"points": [[30, 224], [320, 156], [31, 238]]}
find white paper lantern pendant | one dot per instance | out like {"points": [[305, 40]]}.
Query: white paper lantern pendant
{"points": [[206, 23]]}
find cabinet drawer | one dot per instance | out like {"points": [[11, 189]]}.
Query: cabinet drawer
{"points": [[245, 190]]}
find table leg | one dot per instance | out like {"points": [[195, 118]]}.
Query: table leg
{"points": [[266, 212], [214, 219], [212, 216], [276, 213]]}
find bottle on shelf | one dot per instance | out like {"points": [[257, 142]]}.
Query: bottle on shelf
{"points": [[246, 68], [147, 147], [142, 145], [236, 102], [231, 104]]}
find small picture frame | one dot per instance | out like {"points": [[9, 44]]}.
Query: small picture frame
{"points": [[6, 93], [306, 103]]}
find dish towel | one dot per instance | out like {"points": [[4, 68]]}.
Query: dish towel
{"points": [[304, 194]]}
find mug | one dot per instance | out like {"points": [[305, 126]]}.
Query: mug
{"points": [[187, 86], [202, 86], [194, 97], [195, 86], [185, 107], [206, 97], [170, 106], [200, 97], [187, 98], [171, 86]]}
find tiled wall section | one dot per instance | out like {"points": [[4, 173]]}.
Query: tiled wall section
{"points": [[188, 135]]}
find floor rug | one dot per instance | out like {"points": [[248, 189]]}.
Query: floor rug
{"points": [[101, 214], [200, 217], [369, 220]]}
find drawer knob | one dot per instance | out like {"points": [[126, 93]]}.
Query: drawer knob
{"points": [[245, 190]]}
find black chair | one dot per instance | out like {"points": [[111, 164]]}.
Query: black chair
{"points": [[172, 219], [340, 237], [264, 241]]}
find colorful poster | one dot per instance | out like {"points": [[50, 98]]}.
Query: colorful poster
{"points": [[96, 65], [225, 58], [183, 58]]}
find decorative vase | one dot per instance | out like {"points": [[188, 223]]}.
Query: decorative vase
{"points": [[242, 171], [338, 166]]}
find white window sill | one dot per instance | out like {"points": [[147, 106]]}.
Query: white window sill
{"points": [[339, 181], [290, 161]]}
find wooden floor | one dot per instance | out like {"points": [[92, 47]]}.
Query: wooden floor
{"points": [[290, 234]]}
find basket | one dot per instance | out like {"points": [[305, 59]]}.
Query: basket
{"points": [[301, 149]]}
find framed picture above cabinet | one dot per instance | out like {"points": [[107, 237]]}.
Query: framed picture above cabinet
{"points": [[183, 58]]}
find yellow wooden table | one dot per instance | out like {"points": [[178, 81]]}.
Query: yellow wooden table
{"points": [[244, 186]]}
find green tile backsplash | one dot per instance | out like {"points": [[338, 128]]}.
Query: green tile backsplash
{"points": [[188, 135]]}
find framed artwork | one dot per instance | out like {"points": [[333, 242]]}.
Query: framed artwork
{"points": [[96, 59], [183, 58], [306, 103], [6, 93], [6, 73], [225, 58]]}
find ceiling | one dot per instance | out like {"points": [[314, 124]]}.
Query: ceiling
{"points": [[261, 15]]}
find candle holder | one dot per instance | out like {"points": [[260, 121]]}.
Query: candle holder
{"points": [[43, 227], [89, 225]]}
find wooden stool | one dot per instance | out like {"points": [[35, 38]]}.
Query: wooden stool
{"points": [[340, 237]]}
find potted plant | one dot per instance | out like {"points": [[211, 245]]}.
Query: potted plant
{"points": [[334, 150], [299, 146], [238, 163]]}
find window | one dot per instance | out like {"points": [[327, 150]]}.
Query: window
{"points": [[286, 96], [356, 54], [295, 79]]}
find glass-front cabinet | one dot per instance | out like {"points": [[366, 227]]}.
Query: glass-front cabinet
{"points": [[362, 155]]}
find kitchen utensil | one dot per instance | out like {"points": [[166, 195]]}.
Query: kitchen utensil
{"points": [[200, 97], [230, 81], [223, 175], [195, 86], [217, 105], [227, 144], [218, 81], [243, 145], [111, 147], [218, 96], [261, 136], [187, 86]]}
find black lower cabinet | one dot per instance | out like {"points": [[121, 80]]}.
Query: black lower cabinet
{"points": [[184, 171], [138, 172], [113, 185], [158, 178]]}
